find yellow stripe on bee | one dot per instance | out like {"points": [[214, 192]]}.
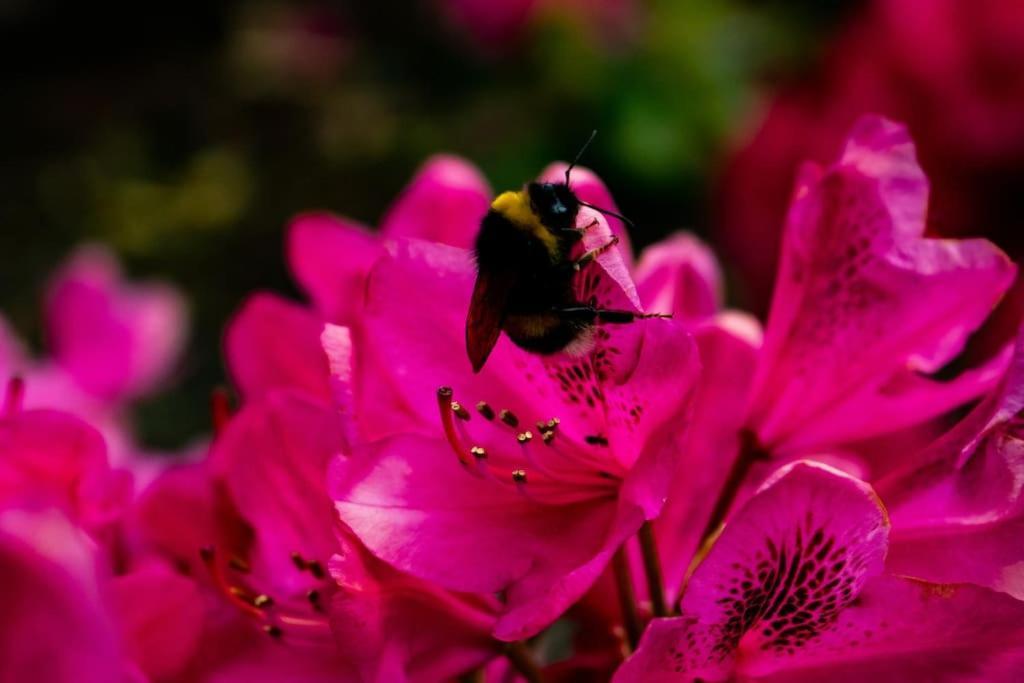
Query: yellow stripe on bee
{"points": [[515, 206]]}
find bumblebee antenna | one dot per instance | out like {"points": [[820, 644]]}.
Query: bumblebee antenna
{"points": [[631, 224], [579, 154]]}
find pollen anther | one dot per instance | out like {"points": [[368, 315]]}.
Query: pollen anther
{"points": [[485, 410], [460, 411]]}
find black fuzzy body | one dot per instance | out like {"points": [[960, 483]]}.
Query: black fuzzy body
{"points": [[539, 273]]}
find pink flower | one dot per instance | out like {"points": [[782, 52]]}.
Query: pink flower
{"points": [[111, 341], [445, 201], [957, 506], [59, 494], [946, 67], [682, 275], [292, 582], [541, 469], [864, 310], [55, 627], [795, 589], [52, 459], [117, 340], [865, 307]]}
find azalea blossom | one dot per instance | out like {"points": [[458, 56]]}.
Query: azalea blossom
{"points": [[700, 497], [796, 589], [55, 627], [957, 506], [948, 69], [62, 515], [538, 469], [111, 341], [288, 579], [866, 306]]}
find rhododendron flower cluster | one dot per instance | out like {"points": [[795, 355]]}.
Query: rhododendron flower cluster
{"points": [[694, 498]]}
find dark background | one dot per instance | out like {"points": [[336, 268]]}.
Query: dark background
{"points": [[185, 134]]}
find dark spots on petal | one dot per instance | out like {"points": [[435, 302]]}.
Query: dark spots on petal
{"points": [[792, 589]]}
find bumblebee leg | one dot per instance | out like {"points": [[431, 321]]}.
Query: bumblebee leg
{"points": [[588, 257], [581, 231], [590, 314]]}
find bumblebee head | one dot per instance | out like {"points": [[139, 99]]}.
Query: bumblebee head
{"points": [[555, 204]]}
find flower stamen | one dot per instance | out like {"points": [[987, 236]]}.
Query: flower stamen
{"points": [[485, 410], [460, 411]]}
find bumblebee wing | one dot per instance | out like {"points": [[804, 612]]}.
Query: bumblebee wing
{"points": [[486, 315]]}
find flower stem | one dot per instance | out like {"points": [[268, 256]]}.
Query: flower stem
{"points": [[523, 662], [652, 569], [627, 597], [750, 452]]}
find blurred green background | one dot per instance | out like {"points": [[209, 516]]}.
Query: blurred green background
{"points": [[186, 134]]}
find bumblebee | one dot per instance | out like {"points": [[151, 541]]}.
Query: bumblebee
{"points": [[525, 273]]}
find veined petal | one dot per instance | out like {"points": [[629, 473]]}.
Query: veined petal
{"points": [[862, 296], [958, 508], [780, 574], [907, 630]]}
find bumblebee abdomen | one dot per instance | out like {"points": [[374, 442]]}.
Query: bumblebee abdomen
{"points": [[544, 333]]}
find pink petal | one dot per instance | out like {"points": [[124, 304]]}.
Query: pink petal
{"points": [[272, 343], [54, 627], [273, 456], [790, 560], [958, 508], [397, 626], [728, 358], [160, 617], [680, 275], [902, 402], [330, 257], [907, 630], [269, 662], [337, 345], [56, 459], [444, 202], [184, 510], [613, 266], [466, 533], [592, 190], [117, 339], [648, 417], [404, 352], [862, 297]]}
